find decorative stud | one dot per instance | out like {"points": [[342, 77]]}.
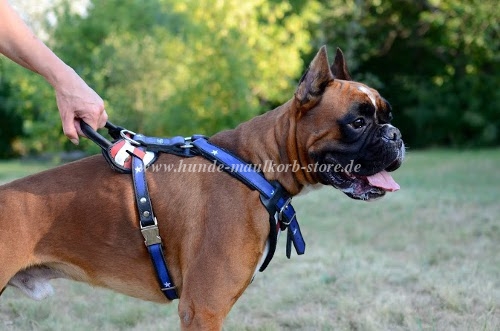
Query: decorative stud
{"points": [[146, 213], [142, 200]]}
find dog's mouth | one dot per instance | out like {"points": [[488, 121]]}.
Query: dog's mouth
{"points": [[365, 187]]}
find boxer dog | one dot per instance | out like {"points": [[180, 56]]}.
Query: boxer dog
{"points": [[79, 220]]}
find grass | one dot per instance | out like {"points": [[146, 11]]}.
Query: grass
{"points": [[13, 169], [424, 258]]}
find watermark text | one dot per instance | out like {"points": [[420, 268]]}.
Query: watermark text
{"points": [[267, 167]]}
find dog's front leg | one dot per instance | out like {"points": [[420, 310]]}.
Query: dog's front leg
{"points": [[209, 292], [220, 269]]}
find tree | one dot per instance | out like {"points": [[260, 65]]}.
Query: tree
{"points": [[11, 125], [434, 60], [166, 67], [169, 67]]}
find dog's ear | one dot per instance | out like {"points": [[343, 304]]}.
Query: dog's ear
{"points": [[339, 67], [314, 81]]}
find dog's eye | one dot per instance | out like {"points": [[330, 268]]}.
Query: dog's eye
{"points": [[358, 123]]}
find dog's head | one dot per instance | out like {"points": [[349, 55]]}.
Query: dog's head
{"points": [[344, 127]]}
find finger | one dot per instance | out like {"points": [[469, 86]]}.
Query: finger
{"points": [[70, 130], [78, 127], [92, 123], [103, 119]]}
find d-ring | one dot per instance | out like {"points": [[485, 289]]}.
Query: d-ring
{"points": [[125, 135]]}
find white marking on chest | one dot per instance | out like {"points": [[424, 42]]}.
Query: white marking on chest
{"points": [[369, 94], [262, 259]]}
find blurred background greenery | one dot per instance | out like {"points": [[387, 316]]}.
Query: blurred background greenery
{"points": [[168, 67]]}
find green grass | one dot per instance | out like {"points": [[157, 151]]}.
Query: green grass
{"points": [[13, 169], [424, 258]]}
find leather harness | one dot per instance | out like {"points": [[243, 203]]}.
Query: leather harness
{"points": [[142, 151]]}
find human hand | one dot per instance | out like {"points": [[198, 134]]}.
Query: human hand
{"points": [[77, 101]]}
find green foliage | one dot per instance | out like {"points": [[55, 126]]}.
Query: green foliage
{"points": [[172, 67], [435, 61], [32, 101], [167, 67], [11, 124]]}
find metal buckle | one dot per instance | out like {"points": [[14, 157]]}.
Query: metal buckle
{"points": [[187, 142], [290, 221], [151, 234], [282, 210], [124, 134]]}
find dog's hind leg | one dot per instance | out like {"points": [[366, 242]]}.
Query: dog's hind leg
{"points": [[16, 271], [10, 264]]}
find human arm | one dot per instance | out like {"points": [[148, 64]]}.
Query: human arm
{"points": [[75, 99]]}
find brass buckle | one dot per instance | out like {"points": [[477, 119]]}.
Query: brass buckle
{"points": [[151, 234]]}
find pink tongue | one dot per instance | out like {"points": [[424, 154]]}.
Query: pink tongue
{"points": [[384, 181]]}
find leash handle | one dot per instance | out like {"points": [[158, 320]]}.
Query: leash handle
{"points": [[95, 136]]}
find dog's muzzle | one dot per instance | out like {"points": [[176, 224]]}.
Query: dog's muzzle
{"points": [[367, 178]]}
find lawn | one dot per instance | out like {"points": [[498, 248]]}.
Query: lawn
{"points": [[424, 258], [13, 169]]}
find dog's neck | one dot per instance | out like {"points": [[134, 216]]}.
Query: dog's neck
{"points": [[269, 141]]}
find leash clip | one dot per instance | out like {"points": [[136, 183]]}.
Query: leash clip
{"points": [[151, 234]]}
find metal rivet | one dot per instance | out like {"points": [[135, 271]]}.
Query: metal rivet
{"points": [[145, 214], [143, 200]]}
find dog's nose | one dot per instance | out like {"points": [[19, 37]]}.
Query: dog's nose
{"points": [[390, 133]]}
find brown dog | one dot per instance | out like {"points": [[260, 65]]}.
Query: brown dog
{"points": [[79, 221]]}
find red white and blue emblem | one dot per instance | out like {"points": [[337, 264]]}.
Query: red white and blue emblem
{"points": [[120, 153]]}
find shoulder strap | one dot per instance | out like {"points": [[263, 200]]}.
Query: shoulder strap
{"points": [[273, 196]]}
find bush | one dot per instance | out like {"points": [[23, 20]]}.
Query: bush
{"points": [[11, 125]]}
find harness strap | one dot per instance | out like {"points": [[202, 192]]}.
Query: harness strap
{"points": [[175, 145], [113, 130], [149, 227], [274, 226], [273, 196], [272, 192]]}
